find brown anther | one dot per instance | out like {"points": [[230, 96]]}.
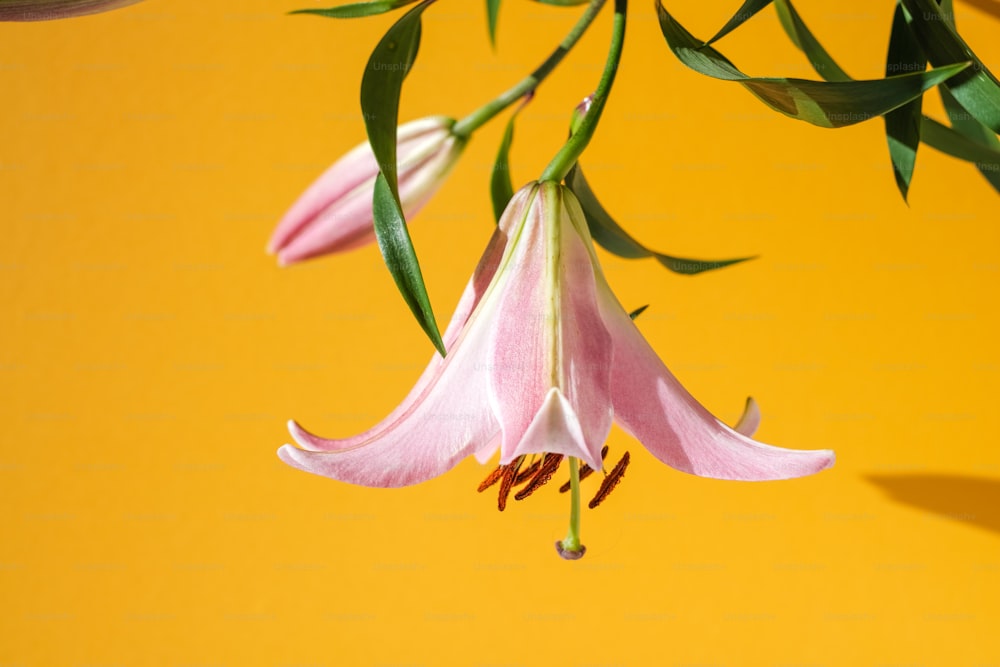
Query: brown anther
{"points": [[548, 468], [491, 479], [527, 472], [509, 475], [585, 471], [610, 481]]}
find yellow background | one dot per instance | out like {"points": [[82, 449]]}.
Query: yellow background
{"points": [[151, 353]]}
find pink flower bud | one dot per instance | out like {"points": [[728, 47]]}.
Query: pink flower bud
{"points": [[335, 213]]}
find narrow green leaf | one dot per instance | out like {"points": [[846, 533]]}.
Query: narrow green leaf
{"points": [[826, 104], [638, 311], [492, 14], [976, 88], [743, 14], [382, 85], [902, 125], [950, 141], [610, 235], [932, 133], [397, 250], [501, 186], [802, 37], [357, 9], [965, 123]]}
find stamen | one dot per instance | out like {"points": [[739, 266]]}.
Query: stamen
{"points": [[527, 472], [491, 479], [548, 468], [585, 471], [509, 475], [610, 481]]}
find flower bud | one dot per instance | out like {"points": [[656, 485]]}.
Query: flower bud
{"points": [[335, 213]]}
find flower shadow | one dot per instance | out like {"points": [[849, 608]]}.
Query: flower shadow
{"points": [[974, 500]]}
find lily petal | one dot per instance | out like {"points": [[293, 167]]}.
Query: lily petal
{"points": [[430, 436], [551, 353], [652, 405], [471, 297]]}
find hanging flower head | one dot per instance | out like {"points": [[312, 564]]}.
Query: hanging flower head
{"points": [[541, 359]]}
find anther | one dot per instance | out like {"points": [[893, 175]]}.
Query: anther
{"points": [[491, 479], [527, 472], [509, 475], [610, 481], [548, 468], [585, 471]]}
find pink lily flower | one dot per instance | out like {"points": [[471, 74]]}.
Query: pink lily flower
{"points": [[43, 10], [541, 359], [335, 213]]}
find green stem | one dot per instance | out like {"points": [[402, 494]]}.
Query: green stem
{"points": [[574, 147], [572, 540], [487, 112]]}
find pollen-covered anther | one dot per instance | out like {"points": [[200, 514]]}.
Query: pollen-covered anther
{"points": [[507, 482], [548, 468], [527, 472], [610, 481], [491, 479], [585, 471]]}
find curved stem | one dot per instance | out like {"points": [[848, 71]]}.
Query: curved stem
{"points": [[487, 112], [574, 147]]}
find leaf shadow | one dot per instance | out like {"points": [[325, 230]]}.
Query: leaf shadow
{"points": [[972, 500]]}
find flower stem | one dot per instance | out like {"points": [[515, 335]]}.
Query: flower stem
{"points": [[487, 112], [570, 548], [574, 147]]}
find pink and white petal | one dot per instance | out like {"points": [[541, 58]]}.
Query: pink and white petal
{"points": [[556, 428], [652, 405], [549, 333], [470, 299], [449, 421], [750, 420]]}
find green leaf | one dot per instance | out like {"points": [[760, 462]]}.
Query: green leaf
{"points": [[802, 37], [492, 14], [975, 88], [638, 311], [902, 125], [501, 187], [934, 134], [397, 250], [357, 9], [826, 104], [965, 123], [954, 143], [382, 85], [610, 235], [744, 13]]}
